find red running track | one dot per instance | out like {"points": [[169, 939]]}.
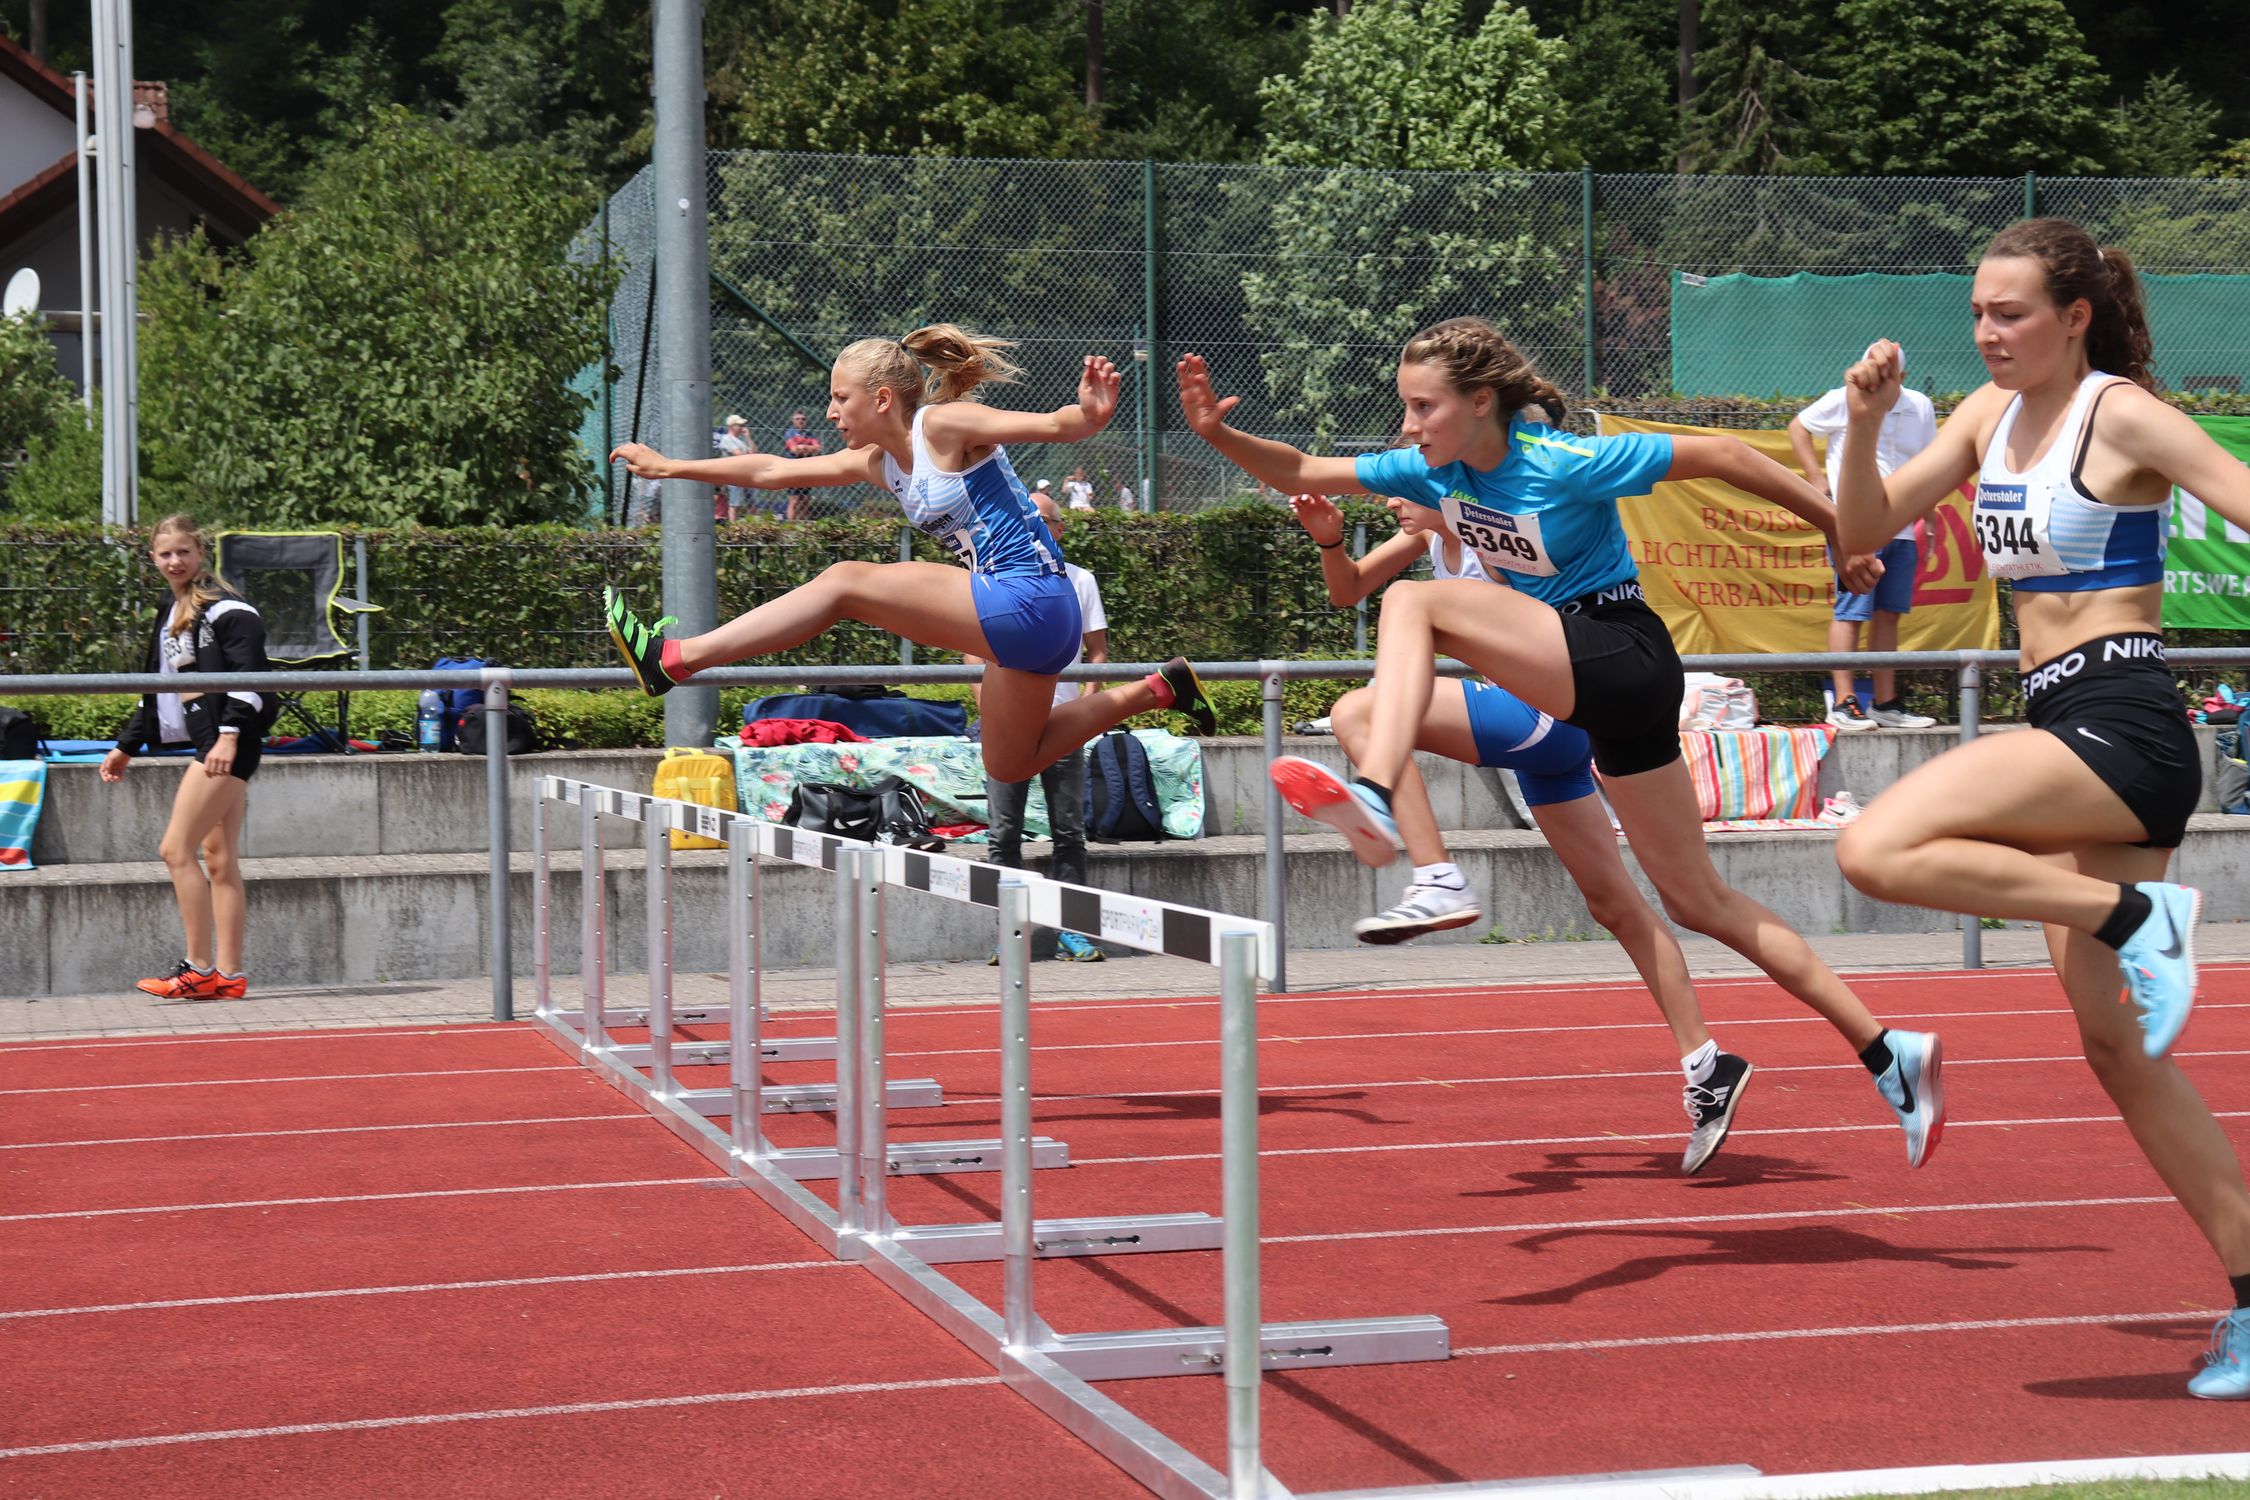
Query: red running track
{"points": [[400, 1263]]}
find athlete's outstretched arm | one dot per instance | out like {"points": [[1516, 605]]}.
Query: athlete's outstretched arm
{"points": [[755, 471], [970, 424], [1737, 463], [1351, 579], [1870, 509], [1277, 465], [2161, 438]]}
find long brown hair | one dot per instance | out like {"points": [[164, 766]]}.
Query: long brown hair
{"points": [[2117, 338], [938, 363], [1476, 357], [207, 588]]}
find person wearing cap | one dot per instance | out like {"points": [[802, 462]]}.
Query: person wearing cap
{"points": [[1908, 428], [727, 502]]}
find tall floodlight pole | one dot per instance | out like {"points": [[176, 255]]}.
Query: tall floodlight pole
{"points": [[85, 247], [683, 335], [119, 235]]}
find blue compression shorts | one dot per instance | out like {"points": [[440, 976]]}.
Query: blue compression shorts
{"points": [[1553, 761], [1894, 591], [1030, 620]]}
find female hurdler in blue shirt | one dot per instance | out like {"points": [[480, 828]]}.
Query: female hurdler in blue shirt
{"points": [[1571, 636], [903, 408]]}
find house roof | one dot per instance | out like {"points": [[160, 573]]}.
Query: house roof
{"points": [[231, 206]]}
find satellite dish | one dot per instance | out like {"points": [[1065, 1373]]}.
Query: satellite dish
{"points": [[23, 293]]}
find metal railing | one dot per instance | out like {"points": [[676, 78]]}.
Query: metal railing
{"points": [[1273, 677]]}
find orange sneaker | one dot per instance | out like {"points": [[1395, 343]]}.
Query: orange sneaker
{"points": [[168, 986], [213, 986]]}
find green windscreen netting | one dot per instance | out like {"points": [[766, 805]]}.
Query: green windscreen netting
{"points": [[1809, 327]]}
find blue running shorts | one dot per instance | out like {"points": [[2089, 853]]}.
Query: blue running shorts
{"points": [[1030, 620], [1894, 591], [1553, 761]]}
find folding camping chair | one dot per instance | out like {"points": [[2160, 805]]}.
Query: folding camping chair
{"points": [[295, 580]]}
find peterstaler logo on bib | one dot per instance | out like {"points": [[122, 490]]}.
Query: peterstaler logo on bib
{"points": [[2000, 497]]}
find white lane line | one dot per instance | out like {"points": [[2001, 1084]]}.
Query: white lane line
{"points": [[1778, 1216], [1872, 1330], [335, 1034], [1620, 1075], [252, 1135], [191, 1208], [503, 1414], [1927, 1480], [1653, 1140], [228, 1083], [427, 1286]]}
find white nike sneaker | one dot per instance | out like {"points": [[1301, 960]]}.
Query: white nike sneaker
{"points": [[1424, 909], [1849, 717], [1899, 718]]}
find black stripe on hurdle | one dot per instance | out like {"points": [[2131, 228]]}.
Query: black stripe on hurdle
{"points": [[829, 849], [1187, 934], [784, 844], [917, 871], [1082, 911], [984, 884]]}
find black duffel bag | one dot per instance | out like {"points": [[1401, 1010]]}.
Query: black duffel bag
{"points": [[888, 812], [523, 732]]}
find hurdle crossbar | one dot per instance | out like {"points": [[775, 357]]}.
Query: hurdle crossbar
{"points": [[1057, 1372]]}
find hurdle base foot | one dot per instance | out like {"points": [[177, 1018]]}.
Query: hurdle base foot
{"points": [[918, 1158], [814, 1098], [1136, 1234], [1146, 1353], [715, 1054]]}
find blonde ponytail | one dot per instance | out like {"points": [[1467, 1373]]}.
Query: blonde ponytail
{"points": [[959, 361], [208, 588]]}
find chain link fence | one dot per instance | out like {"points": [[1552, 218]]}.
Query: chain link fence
{"points": [[1299, 285]]}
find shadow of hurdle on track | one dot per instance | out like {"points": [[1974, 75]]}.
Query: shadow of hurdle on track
{"points": [[1206, 1107], [1808, 1245], [1571, 1171]]}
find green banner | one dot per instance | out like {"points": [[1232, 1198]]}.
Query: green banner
{"points": [[2207, 558]]}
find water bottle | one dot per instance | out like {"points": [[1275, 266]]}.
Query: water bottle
{"points": [[429, 718]]}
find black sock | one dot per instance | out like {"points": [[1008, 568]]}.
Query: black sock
{"points": [[1892, 703], [1877, 1057], [2133, 907], [1384, 792], [2241, 1290]]}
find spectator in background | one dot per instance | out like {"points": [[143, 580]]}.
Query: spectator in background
{"points": [[727, 502], [1077, 491], [1908, 428], [798, 442], [1065, 780], [1126, 499]]}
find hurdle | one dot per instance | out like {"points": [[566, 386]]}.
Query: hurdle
{"points": [[1057, 1371]]}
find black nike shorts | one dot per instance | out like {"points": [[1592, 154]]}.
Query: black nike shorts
{"points": [[2114, 703]]}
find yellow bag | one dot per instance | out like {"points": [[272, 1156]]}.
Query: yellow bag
{"points": [[700, 776]]}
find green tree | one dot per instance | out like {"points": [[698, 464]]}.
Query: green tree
{"points": [[1757, 102], [2166, 131], [909, 77], [1993, 90], [1615, 85], [34, 397], [397, 351], [1409, 83]]}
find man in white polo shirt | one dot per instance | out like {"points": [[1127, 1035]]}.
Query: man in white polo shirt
{"points": [[1908, 428], [1065, 780]]}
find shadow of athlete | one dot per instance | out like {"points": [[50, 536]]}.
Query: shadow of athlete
{"points": [[1815, 1245], [1571, 1171]]}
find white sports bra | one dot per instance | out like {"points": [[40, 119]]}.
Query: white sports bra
{"points": [[1470, 567], [2042, 531]]}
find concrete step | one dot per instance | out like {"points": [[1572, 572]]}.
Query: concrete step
{"points": [[434, 804], [73, 929]]}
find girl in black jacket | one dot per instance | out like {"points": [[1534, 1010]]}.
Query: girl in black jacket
{"points": [[204, 628]]}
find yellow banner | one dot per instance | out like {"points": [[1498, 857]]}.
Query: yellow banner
{"points": [[1730, 572]]}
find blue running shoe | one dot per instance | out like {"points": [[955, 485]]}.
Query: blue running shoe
{"points": [[1914, 1091], [2159, 964], [1351, 808], [1073, 949], [2225, 1375]]}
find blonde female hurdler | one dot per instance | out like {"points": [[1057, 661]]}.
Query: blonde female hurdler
{"points": [[1571, 635], [901, 406], [2073, 823]]}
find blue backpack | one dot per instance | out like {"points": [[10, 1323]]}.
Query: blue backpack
{"points": [[1121, 800], [458, 701]]}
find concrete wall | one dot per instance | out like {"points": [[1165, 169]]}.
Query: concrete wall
{"points": [[434, 804]]}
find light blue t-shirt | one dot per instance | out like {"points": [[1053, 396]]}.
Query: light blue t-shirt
{"points": [[1546, 519]]}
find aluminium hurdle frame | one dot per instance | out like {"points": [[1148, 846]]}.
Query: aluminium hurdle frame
{"points": [[1056, 1372]]}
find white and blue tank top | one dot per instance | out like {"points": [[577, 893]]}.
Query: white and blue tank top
{"points": [[2043, 532], [981, 514], [1545, 520]]}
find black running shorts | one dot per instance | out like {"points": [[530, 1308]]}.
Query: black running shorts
{"points": [[1627, 679], [2114, 703], [203, 732]]}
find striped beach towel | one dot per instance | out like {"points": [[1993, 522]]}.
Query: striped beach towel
{"points": [[1757, 774], [23, 788]]}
